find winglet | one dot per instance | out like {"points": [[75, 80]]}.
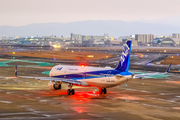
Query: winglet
{"points": [[15, 73], [168, 68]]}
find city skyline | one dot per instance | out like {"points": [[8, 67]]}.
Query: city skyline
{"points": [[113, 28], [24, 12]]}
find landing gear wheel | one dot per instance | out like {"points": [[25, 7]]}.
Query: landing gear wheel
{"points": [[68, 92], [73, 91], [59, 86], [105, 91], [102, 90]]}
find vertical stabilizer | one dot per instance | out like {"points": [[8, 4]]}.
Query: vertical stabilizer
{"points": [[125, 58]]}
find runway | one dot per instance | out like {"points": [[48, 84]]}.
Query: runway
{"points": [[138, 99]]}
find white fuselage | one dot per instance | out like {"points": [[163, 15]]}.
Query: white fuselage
{"points": [[108, 81], [103, 81]]}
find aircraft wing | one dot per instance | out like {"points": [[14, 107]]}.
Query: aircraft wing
{"points": [[65, 80], [148, 75]]}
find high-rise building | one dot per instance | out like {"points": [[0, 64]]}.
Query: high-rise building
{"points": [[106, 36], [76, 36], [175, 35], [144, 38]]}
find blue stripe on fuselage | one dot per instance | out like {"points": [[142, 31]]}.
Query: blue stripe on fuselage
{"points": [[89, 74]]}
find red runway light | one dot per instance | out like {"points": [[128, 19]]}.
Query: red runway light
{"points": [[82, 65], [80, 111]]}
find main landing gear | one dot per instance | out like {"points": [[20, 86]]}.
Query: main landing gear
{"points": [[70, 90], [102, 90]]}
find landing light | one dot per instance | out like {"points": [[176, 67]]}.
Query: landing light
{"points": [[90, 56], [56, 46]]}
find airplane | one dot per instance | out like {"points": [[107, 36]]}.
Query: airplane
{"points": [[86, 76], [148, 75]]}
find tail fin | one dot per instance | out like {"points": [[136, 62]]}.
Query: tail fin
{"points": [[125, 58], [168, 68]]}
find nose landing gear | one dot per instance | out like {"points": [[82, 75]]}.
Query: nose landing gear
{"points": [[102, 90], [70, 91]]}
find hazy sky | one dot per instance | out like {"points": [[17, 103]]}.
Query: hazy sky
{"points": [[23, 12]]}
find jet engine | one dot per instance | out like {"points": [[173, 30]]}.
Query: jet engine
{"points": [[54, 85]]}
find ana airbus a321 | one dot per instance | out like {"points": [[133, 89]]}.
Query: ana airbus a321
{"points": [[101, 78]]}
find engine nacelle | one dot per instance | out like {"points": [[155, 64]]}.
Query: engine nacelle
{"points": [[54, 85]]}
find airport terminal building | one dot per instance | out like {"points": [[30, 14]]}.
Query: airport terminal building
{"points": [[170, 42]]}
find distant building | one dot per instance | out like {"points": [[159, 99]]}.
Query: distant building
{"points": [[175, 35], [48, 37], [88, 37], [107, 43], [132, 36], [98, 43], [168, 42], [123, 37], [134, 42], [106, 36], [112, 38], [4, 37], [76, 36], [16, 37], [177, 41], [158, 40], [116, 42], [24, 42], [88, 43], [144, 38]]}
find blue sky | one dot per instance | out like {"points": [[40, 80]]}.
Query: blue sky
{"points": [[23, 12]]}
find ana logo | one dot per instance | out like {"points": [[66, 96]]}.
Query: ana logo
{"points": [[124, 54], [59, 68]]}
